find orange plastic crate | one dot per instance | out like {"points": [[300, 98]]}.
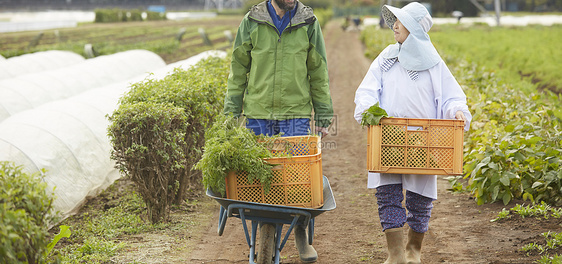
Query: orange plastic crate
{"points": [[297, 179], [416, 146]]}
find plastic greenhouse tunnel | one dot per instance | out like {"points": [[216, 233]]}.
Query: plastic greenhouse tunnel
{"points": [[68, 137], [37, 62], [28, 91]]}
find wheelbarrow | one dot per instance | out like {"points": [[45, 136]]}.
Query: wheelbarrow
{"points": [[270, 220]]}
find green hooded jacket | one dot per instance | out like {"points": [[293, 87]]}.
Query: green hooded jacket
{"points": [[279, 77]]}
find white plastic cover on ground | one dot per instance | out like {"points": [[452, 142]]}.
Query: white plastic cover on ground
{"points": [[32, 90], [37, 62], [69, 139]]}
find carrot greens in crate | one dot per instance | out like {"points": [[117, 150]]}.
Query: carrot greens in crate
{"points": [[230, 146]]}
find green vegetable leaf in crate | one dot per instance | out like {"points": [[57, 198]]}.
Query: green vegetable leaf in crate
{"points": [[373, 115]]}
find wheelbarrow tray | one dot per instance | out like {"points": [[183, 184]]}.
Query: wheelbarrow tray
{"points": [[280, 211]]}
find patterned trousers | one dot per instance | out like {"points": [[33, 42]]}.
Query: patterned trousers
{"points": [[393, 215]]}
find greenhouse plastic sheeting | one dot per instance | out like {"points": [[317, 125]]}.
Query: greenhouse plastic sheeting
{"points": [[32, 90], [68, 138], [37, 62]]}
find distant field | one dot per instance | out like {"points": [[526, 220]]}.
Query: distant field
{"points": [[160, 37], [520, 52]]}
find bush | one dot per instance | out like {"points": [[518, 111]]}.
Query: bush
{"points": [[122, 15], [148, 141], [134, 15], [158, 130], [108, 15], [151, 16], [514, 145], [514, 148], [25, 215]]}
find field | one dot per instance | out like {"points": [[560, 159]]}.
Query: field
{"points": [[460, 230], [164, 38], [525, 57]]}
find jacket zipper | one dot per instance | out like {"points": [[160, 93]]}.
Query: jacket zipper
{"points": [[276, 53]]}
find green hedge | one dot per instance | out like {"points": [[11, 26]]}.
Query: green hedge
{"points": [[158, 131], [122, 15], [25, 215], [151, 16]]}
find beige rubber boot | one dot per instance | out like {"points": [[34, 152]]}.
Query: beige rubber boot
{"points": [[395, 244], [413, 247], [307, 252]]}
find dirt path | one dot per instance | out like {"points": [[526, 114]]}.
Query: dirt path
{"points": [[460, 231]]}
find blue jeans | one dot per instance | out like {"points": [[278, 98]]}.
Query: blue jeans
{"points": [[289, 127]]}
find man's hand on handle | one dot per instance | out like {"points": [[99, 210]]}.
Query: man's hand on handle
{"points": [[321, 130]]}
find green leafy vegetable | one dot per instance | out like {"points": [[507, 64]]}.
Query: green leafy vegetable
{"points": [[373, 115], [230, 146]]}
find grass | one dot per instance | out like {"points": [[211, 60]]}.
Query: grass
{"points": [[96, 229], [107, 228]]}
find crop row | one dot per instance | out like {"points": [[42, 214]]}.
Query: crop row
{"points": [[172, 40], [516, 53]]}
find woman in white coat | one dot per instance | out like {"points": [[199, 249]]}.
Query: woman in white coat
{"points": [[409, 79]]}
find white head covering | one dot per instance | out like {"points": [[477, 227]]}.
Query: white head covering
{"points": [[417, 53]]}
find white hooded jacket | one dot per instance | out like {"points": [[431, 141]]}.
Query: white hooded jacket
{"points": [[433, 93]]}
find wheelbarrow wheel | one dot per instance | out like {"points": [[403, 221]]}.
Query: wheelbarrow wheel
{"points": [[266, 244]]}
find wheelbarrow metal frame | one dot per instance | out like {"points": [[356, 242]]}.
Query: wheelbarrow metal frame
{"points": [[275, 214]]}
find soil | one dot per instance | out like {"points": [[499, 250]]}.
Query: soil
{"points": [[460, 230]]}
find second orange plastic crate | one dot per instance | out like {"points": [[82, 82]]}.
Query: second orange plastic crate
{"points": [[416, 146]]}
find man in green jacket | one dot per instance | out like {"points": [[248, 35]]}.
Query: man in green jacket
{"points": [[279, 78], [279, 72]]}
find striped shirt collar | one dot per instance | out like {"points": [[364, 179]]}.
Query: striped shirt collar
{"points": [[388, 63]]}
